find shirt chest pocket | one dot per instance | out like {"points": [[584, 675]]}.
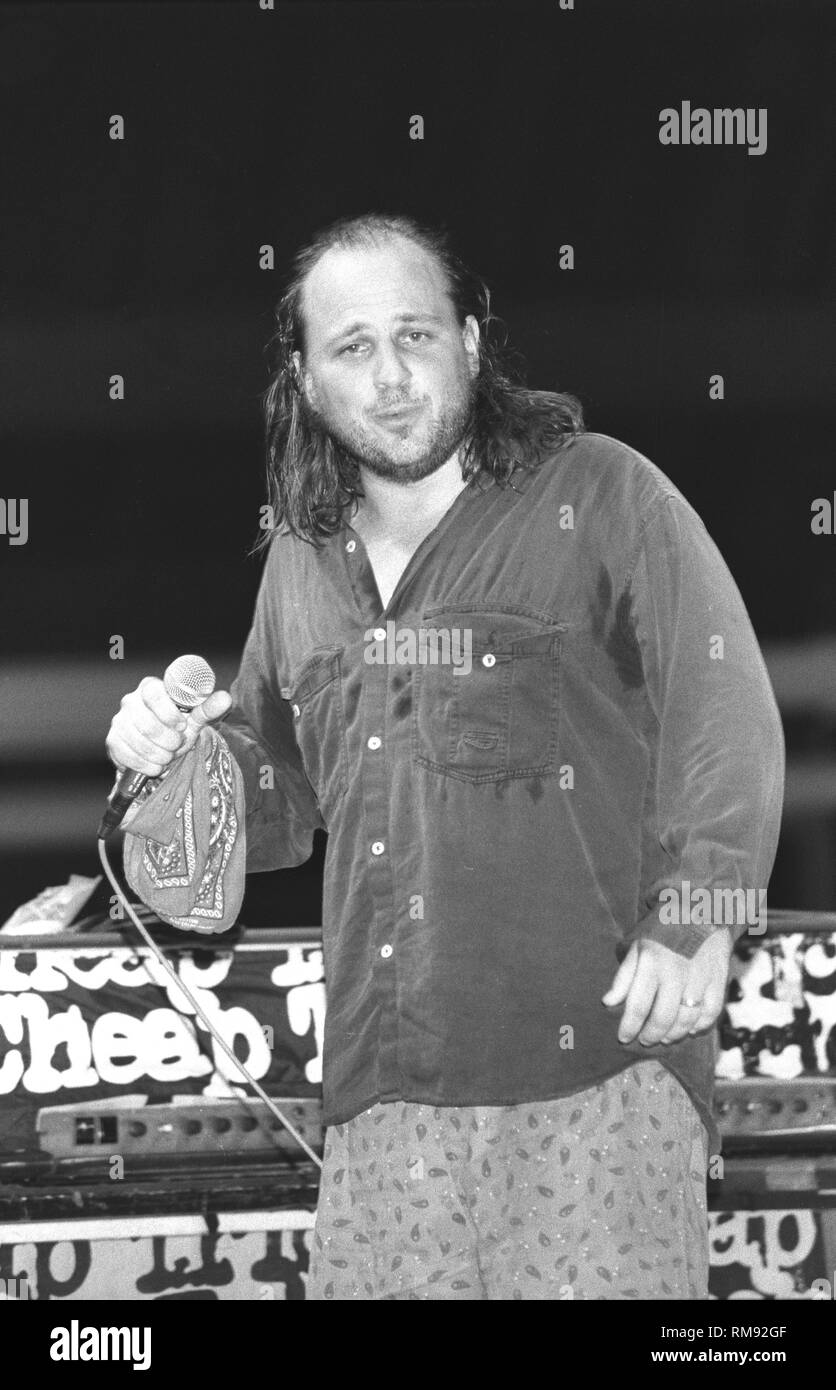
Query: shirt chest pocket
{"points": [[492, 711], [315, 696]]}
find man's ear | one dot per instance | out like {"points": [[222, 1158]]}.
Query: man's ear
{"points": [[470, 338]]}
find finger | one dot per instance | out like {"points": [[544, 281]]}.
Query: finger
{"points": [[662, 1016], [214, 707], [153, 695], [143, 723], [140, 754], [692, 1007], [622, 980], [682, 1025], [149, 767], [639, 1003], [712, 1007]]}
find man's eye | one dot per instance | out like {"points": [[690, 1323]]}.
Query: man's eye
{"points": [[352, 349]]}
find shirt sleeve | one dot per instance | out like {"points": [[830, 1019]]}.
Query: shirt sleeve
{"points": [[282, 811], [720, 768]]}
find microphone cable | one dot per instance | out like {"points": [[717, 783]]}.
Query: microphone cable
{"points": [[200, 1011]]}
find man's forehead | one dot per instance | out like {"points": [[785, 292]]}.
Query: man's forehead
{"points": [[380, 278]]}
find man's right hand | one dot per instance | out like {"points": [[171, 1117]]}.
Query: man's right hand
{"points": [[150, 731]]}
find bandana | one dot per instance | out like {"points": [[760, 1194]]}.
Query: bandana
{"points": [[184, 853]]}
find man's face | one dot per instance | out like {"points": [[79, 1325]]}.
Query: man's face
{"points": [[388, 371]]}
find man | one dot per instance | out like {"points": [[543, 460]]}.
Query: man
{"points": [[518, 1052]]}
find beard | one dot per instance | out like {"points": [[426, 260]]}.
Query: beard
{"points": [[407, 459]]}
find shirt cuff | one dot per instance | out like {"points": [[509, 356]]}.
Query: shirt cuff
{"points": [[685, 938]]}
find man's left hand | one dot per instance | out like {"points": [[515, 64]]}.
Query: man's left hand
{"points": [[667, 997]]}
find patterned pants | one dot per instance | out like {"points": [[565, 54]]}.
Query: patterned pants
{"points": [[597, 1195]]}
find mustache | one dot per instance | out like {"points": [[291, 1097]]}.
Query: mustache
{"points": [[317, 420], [397, 404]]}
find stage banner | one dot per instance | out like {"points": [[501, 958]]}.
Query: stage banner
{"points": [[83, 1022], [258, 1256]]}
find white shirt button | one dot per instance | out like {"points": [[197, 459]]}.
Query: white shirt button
{"points": [[378, 847], [374, 741], [489, 659], [380, 634], [351, 546], [386, 951]]}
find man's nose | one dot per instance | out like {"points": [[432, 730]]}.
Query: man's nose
{"points": [[391, 368]]}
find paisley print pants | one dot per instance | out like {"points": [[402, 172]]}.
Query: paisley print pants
{"points": [[597, 1195]]}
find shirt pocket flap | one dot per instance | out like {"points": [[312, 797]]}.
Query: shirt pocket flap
{"points": [[503, 632], [316, 672]]}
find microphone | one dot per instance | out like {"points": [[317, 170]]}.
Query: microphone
{"points": [[188, 682]]}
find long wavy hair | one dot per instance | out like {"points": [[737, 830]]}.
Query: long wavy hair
{"points": [[310, 479]]}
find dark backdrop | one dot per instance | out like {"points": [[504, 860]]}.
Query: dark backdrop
{"points": [[246, 127]]}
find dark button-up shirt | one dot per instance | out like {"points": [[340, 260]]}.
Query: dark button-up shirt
{"points": [[499, 834]]}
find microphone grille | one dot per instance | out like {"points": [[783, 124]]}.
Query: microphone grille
{"points": [[189, 681]]}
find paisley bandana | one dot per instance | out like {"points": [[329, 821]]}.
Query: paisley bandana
{"points": [[185, 844]]}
